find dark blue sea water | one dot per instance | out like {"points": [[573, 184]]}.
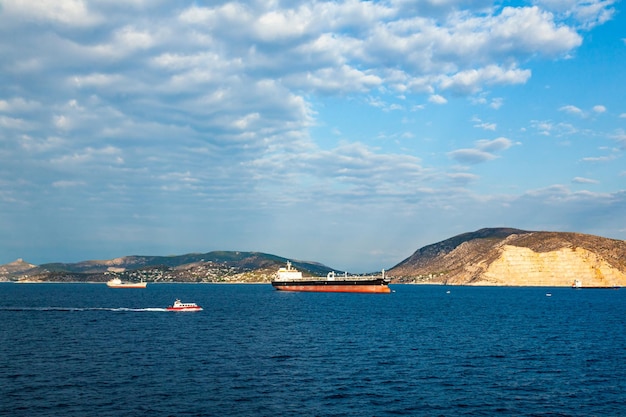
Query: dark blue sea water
{"points": [[87, 350]]}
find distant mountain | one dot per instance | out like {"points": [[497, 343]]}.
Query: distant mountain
{"points": [[218, 266], [506, 256], [492, 256]]}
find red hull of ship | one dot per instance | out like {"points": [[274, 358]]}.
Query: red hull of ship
{"points": [[336, 288]]}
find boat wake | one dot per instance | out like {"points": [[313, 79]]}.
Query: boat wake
{"points": [[124, 309]]}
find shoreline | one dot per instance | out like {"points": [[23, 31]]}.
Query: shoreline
{"points": [[269, 283]]}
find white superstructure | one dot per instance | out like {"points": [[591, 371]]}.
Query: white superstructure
{"points": [[289, 273]]}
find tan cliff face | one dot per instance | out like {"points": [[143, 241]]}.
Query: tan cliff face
{"points": [[505, 256], [522, 266]]}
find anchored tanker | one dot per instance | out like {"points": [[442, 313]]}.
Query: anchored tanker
{"points": [[290, 279]]}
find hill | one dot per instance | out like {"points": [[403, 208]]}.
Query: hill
{"points": [[506, 256], [491, 256], [15, 268], [218, 266]]}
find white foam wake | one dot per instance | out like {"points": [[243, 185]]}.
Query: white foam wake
{"points": [[153, 309]]}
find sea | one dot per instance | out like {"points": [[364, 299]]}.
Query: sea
{"points": [[88, 350]]}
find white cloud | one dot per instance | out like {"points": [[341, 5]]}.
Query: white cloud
{"points": [[460, 52], [18, 104], [437, 99], [14, 123], [582, 180], [66, 12], [482, 152], [550, 128], [96, 80], [587, 13], [62, 122], [487, 126], [462, 178], [30, 144], [606, 158], [107, 154], [236, 107], [498, 144], [572, 110], [599, 109], [471, 156], [344, 78], [471, 81], [132, 39], [496, 103]]}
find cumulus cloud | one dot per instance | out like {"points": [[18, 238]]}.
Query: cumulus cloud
{"points": [[437, 99], [66, 12], [470, 81], [572, 110], [483, 151], [486, 126], [494, 145], [586, 13], [551, 128], [170, 107], [599, 109]]}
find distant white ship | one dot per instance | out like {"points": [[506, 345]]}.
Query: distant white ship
{"points": [[117, 283]]}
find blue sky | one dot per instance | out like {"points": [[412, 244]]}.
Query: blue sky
{"points": [[350, 133]]}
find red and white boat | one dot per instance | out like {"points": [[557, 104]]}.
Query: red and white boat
{"points": [[180, 306]]}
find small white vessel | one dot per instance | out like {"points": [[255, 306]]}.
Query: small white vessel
{"points": [[117, 283], [180, 306]]}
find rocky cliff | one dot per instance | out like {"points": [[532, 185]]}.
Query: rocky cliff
{"points": [[505, 256], [16, 267]]}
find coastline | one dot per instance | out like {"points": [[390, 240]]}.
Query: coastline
{"points": [[435, 284]]}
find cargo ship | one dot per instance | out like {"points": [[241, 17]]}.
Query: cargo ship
{"points": [[290, 279]]}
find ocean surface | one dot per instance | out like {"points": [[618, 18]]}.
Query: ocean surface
{"points": [[88, 350]]}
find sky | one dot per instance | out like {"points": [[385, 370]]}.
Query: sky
{"points": [[350, 133]]}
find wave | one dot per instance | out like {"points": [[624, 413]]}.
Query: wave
{"points": [[148, 309]]}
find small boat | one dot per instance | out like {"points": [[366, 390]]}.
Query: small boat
{"points": [[117, 283], [180, 306], [290, 279]]}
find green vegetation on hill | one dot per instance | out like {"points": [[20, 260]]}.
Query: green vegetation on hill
{"points": [[217, 266]]}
